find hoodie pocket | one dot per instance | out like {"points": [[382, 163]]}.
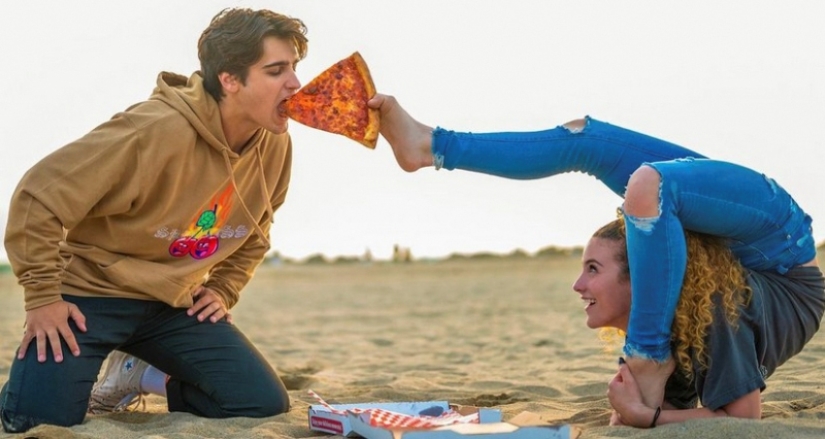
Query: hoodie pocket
{"points": [[160, 281]]}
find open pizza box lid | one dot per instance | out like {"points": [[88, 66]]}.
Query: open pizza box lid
{"points": [[334, 418], [483, 430], [490, 426], [430, 420]]}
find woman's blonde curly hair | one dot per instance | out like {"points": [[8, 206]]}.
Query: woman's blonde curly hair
{"points": [[712, 270]]}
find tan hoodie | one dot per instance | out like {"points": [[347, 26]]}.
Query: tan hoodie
{"points": [[149, 205]]}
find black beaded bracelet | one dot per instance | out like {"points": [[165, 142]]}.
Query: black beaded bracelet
{"points": [[656, 416]]}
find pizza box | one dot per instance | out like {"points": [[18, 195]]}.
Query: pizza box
{"points": [[322, 419], [526, 425]]}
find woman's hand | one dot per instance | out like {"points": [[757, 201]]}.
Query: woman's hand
{"points": [[616, 419], [651, 377], [626, 398], [208, 304]]}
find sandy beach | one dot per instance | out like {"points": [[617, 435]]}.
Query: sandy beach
{"points": [[507, 333]]}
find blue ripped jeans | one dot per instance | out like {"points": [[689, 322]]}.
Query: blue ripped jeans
{"points": [[765, 227]]}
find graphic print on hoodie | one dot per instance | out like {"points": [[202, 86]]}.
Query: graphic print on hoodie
{"points": [[202, 237]]}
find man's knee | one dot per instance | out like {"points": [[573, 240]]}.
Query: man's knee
{"points": [[275, 405], [642, 194], [257, 404], [20, 423], [251, 397], [19, 413], [271, 399]]}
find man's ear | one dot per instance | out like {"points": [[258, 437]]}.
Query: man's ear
{"points": [[229, 82]]}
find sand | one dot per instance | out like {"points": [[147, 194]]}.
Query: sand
{"points": [[505, 333]]}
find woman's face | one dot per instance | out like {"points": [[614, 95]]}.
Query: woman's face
{"points": [[602, 285]]}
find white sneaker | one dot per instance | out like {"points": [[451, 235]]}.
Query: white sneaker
{"points": [[119, 387]]}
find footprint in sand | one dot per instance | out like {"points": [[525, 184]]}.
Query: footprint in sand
{"points": [[299, 378], [488, 400]]}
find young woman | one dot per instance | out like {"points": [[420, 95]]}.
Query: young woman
{"points": [[666, 188], [733, 326]]}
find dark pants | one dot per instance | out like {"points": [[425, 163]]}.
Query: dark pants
{"points": [[215, 371]]}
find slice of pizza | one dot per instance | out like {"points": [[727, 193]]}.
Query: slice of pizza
{"points": [[336, 101]]}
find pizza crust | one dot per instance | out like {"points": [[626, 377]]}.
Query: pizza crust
{"points": [[374, 124]]}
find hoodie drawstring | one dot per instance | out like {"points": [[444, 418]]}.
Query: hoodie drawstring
{"points": [[261, 234], [262, 181]]}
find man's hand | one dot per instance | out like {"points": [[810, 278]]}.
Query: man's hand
{"points": [[208, 304], [47, 324]]}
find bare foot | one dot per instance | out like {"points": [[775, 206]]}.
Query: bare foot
{"points": [[651, 377], [411, 141]]}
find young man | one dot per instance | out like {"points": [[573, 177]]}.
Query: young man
{"points": [[140, 235]]}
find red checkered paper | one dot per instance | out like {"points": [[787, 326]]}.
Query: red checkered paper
{"points": [[393, 420]]}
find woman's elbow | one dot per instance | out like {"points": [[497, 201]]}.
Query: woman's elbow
{"points": [[746, 407]]}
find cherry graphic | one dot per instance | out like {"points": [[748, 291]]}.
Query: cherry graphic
{"points": [[182, 246], [205, 247]]}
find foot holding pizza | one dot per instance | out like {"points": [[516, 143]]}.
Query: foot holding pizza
{"points": [[411, 141]]}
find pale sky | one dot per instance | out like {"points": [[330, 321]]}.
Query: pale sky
{"points": [[738, 81]]}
